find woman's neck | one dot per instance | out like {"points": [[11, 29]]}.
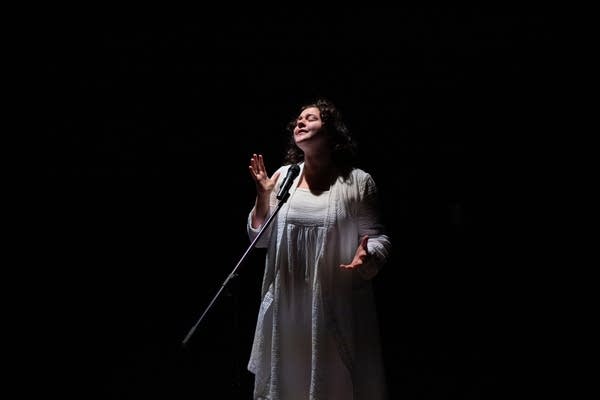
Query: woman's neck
{"points": [[318, 173]]}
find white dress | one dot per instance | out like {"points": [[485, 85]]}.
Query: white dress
{"points": [[316, 331], [298, 293]]}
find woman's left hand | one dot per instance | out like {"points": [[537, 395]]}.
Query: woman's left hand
{"points": [[360, 257]]}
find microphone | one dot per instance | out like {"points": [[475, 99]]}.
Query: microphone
{"points": [[292, 173]]}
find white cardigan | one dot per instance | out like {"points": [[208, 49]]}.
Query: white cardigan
{"points": [[347, 296]]}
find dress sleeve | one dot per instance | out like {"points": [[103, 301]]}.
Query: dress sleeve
{"points": [[369, 223], [253, 232]]}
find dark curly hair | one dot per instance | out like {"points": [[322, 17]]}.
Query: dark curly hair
{"points": [[343, 147]]}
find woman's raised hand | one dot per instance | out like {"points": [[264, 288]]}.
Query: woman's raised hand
{"points": [[258, 172]]}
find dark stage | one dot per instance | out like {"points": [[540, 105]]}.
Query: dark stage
{"points": [[150, 125]]}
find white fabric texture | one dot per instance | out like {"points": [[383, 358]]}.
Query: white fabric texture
{"points": [[317, 333]]}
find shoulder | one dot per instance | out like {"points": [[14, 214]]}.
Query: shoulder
{"points": [[283, 170], [359, 173], [360, 177], [286, 167], [357, 179]]}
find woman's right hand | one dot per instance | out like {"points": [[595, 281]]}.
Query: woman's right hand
{"points": [[258, 172]]}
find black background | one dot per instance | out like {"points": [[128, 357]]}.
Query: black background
{"points": [[150, 125]]}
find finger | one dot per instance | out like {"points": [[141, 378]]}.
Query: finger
{"points": [[252, 166], [275, 176], [363, 242], [354, 265], [252, 172]]}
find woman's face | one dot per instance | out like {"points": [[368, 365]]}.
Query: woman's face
{"points": [[308, 128]]}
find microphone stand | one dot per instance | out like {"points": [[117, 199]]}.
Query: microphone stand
{"points": [[233, 274]]}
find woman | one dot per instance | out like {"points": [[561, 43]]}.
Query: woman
{"points": [[317, 331]]}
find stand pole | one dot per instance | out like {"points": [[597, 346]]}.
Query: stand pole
{"points": [[232, 274]]}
